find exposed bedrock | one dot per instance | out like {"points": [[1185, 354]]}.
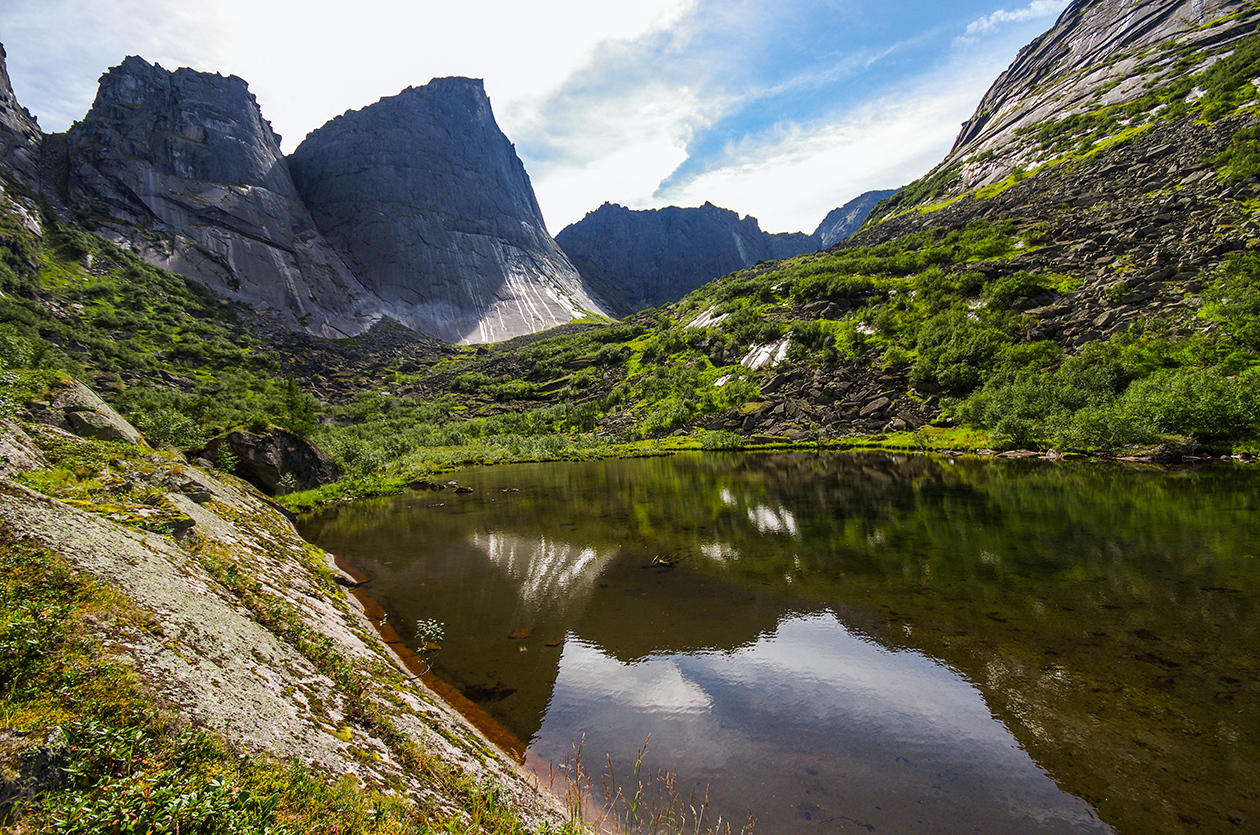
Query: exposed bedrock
{"points": [[431, 208], [643, 258], [194, 172]]}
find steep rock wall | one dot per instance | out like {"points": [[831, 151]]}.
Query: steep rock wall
{"points": [[1098, 53], [432, 209], [842, 222], [187, 162], [19, 133]]}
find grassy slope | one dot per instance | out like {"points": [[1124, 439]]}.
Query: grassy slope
{"points": [[917, 309], [926, 311]]}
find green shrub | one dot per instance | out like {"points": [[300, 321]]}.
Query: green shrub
{"points": [[1192, 402], [1234, 299], [1242, 158], [470, 383], [954, 351]]}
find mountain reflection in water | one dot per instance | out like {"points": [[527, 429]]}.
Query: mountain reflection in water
{"points": [[854, 640]]}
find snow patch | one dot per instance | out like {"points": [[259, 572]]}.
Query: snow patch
{"points": [[762, 355], [707, 319]]}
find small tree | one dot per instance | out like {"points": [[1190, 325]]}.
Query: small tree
{"points": [[429, 634]]}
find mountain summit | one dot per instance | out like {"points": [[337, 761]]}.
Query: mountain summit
{"points": [[183, 167], [414, 209], [642, 258], [433, 210]]}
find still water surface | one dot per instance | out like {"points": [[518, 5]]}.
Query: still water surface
{"points": [[853, 642]]}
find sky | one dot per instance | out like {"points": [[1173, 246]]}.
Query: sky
{"points": [[779, 109]]}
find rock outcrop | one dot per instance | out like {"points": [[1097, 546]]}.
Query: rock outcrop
{"points": [[19, 133], [842, 222], [1098, 53], [432, 209], [266, 458], [192, 169], [239, 672], [431, 218], [643, 258]]}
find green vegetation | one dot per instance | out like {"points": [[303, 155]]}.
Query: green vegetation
{"points": [[132, 767], [937, 317], [923, 309]]}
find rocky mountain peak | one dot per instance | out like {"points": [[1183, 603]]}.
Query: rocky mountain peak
{"points": [[19, 132], [196, 124], [1098, 53], [643, 258], [194, 179], [843, 221], [432, 209]]}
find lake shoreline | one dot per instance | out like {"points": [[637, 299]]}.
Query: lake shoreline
{"points": [[499, 736], [1162, 455]]}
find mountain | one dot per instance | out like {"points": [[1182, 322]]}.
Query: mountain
{"points": [[637, 259], [435, 226], [19, 132], [434, 212], [1100, 54], [842, 222], [184, 168]]}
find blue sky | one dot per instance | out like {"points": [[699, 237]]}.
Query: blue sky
{"points": [[782, 109]]}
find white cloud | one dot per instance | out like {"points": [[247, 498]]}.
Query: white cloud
{"points": [[1034, 10], [790, 178], [311, 62], [59, 48], [606, 102], [616, 148]]}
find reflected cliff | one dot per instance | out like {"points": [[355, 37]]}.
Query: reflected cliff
{"points": [[1104, 618]]}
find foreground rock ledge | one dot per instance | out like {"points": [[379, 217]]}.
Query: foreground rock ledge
{"points": [[213, 664]]}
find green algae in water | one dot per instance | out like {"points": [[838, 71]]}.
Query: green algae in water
{"points": [[1046, 646]]}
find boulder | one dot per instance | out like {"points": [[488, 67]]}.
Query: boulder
{"points": [[31, 763], [264, 459], [80, 410], [18, 453]]}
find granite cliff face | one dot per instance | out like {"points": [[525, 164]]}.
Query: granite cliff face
{"points": [[432, 209], [187, 163], [1098, 53], [639, 259], [842, 222], [19, 133]]}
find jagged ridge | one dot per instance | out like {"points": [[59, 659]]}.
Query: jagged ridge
{"points": [[643, 258]]}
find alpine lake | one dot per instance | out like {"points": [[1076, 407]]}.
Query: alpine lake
{"points": [[835, 642]]}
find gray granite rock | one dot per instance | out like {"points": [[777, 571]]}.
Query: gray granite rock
{"points": [[842, 222], [431, 208], [265, 458], [193, 172], [1097, 53], [84, 413], [639, 259], [19, 133]]}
